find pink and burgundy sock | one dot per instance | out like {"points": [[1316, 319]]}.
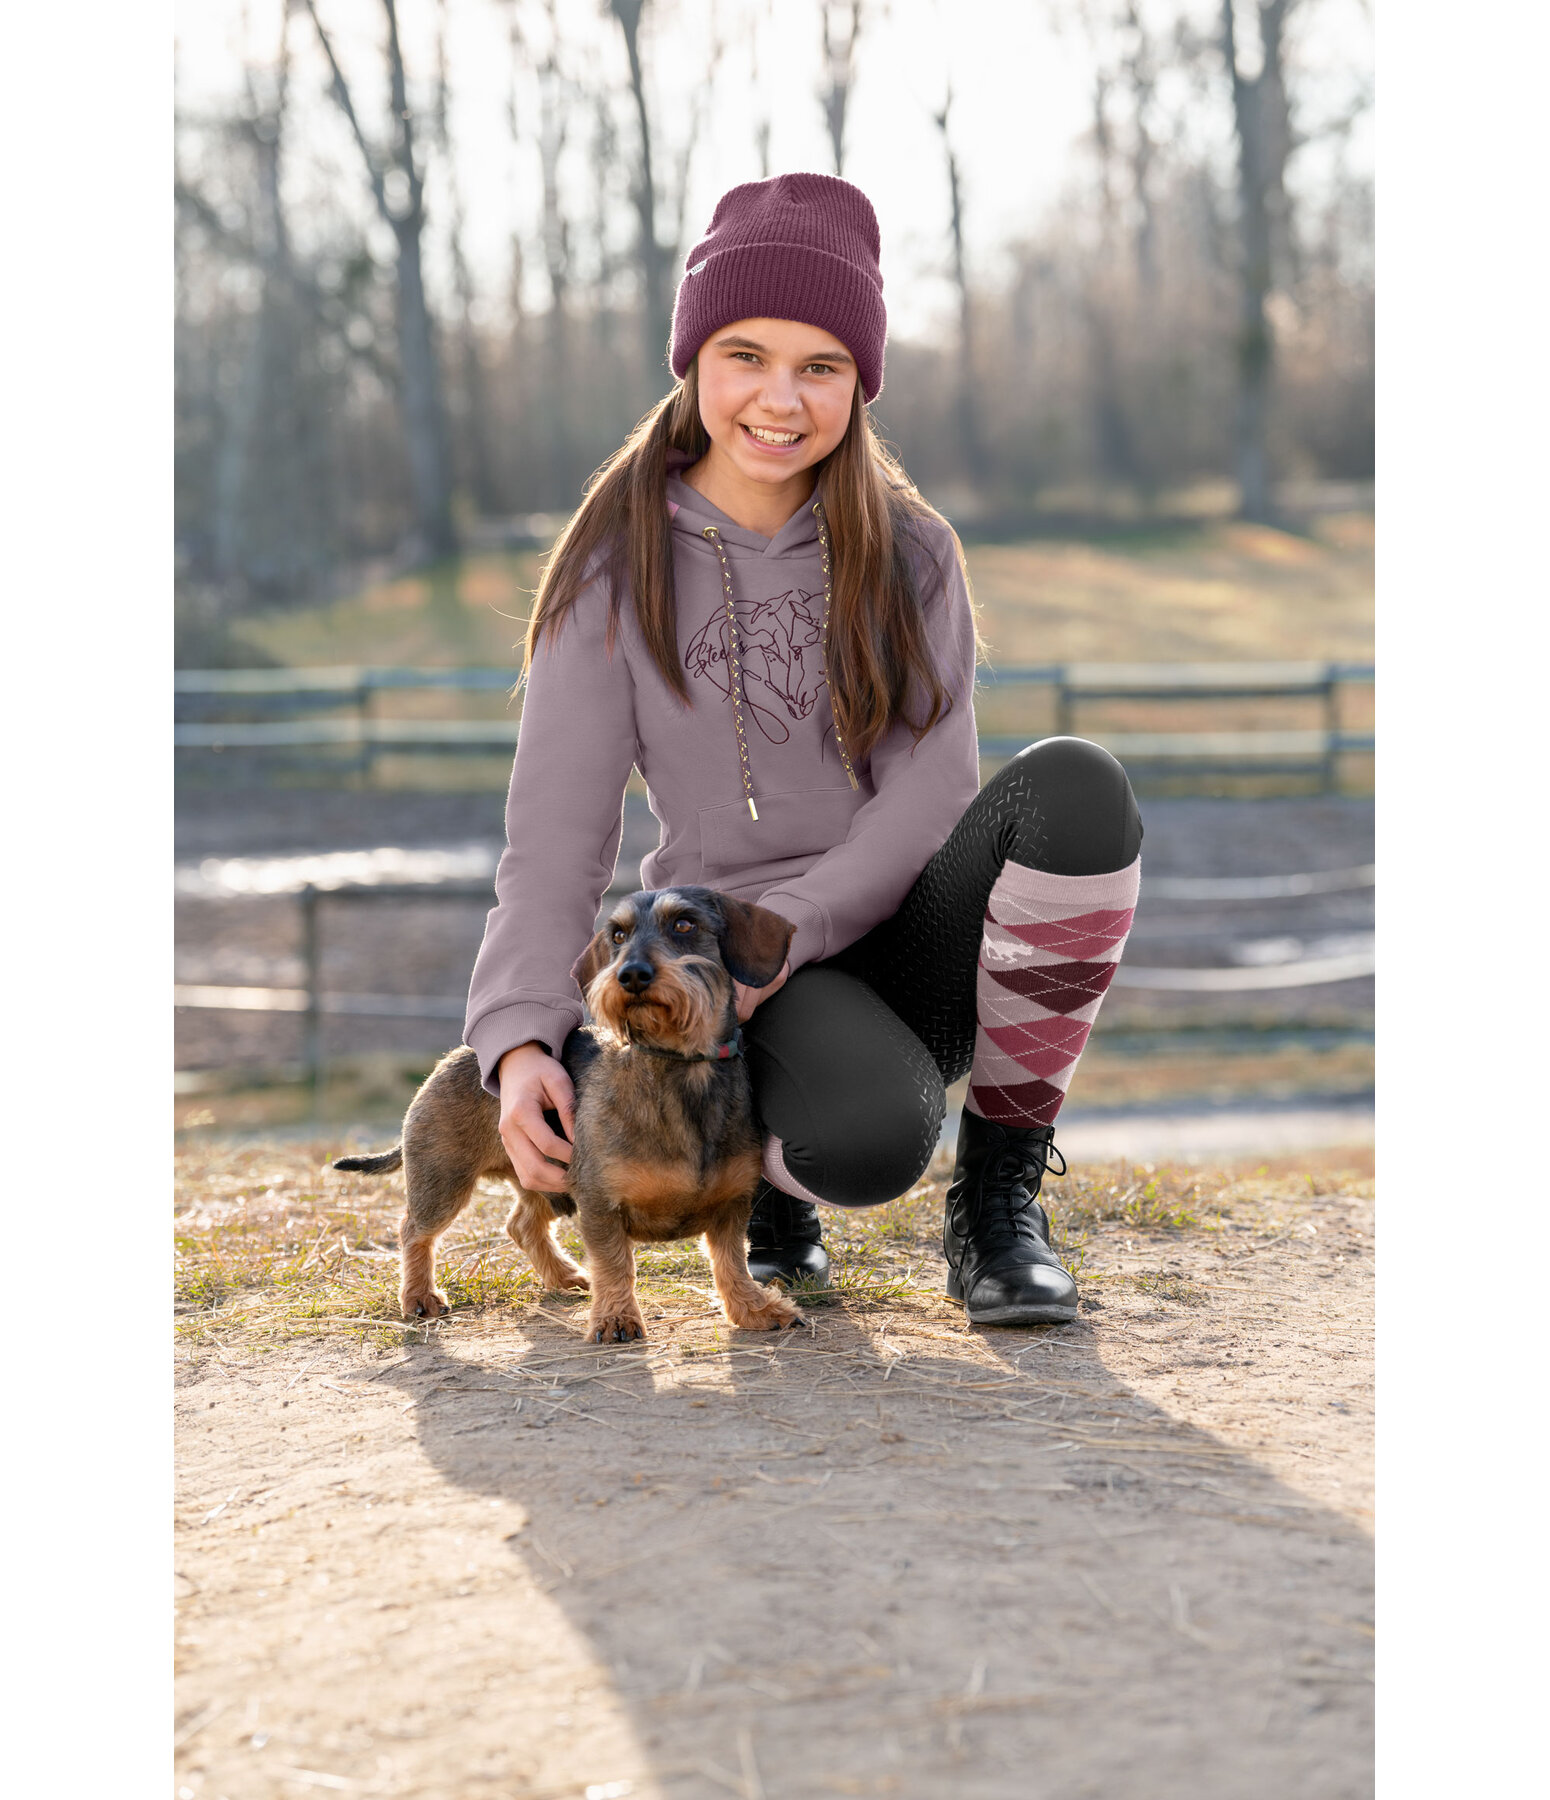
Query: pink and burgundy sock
{"points": [[1050, 947]]}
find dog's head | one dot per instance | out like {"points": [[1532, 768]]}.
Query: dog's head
{"points": [[662, 967]]}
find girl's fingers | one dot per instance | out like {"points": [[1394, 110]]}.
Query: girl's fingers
{"points": [[561, 1094], [533, 1171], [530, 1118]]}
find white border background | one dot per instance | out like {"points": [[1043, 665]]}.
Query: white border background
{"points": [[1463, 1245]]}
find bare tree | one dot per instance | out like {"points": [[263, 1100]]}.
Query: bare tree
{"points": [[698, 109], [652, 254], [760, 21], [260, 450], [398, 187], [1100, 298], [967, 392], [1262, 122], [473, 396], [555, 96], [839, 72], [264, 128], [1139, 63]]}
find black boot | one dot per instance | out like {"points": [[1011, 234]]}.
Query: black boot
{"points": [[996, 1234], [784, 1238]]}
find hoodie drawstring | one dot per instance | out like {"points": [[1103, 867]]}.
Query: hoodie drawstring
{"points": [[735, 656]]}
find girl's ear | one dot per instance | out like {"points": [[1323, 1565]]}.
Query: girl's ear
{"points": [[753, 941], [592, 961]]}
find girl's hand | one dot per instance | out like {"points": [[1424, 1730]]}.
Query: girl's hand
{"points": [[531, 1079], [750, 997]]}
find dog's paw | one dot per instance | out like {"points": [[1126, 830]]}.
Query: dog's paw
{"points": [[424, 1303], [574, 1277], [620, 1325], [774, 1313]]}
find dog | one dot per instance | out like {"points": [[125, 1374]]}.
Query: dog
{"points": [[666, 1145]]}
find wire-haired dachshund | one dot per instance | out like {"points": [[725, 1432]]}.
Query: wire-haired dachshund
{"points": [[666, 1144]]}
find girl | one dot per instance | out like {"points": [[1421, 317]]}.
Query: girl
{"points": [[756, 608]]}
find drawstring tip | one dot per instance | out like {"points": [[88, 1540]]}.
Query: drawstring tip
{"points": [[853, 782], [753, 811]]}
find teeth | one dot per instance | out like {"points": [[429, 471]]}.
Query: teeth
{"points": [[772, 437]]}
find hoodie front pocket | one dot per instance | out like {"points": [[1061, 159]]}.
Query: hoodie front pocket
{"points": [[804, 822]]}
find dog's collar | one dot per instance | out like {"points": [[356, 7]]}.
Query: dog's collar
{"points": [[722, 1052]]}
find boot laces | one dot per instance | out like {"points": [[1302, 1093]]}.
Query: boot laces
{"points": [[1001, 1213]]}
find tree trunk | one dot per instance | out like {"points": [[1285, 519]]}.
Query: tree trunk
{"points": [[839, 67], [653, 264], [1114, 446], [557, 264], [424, 418], [1260, 120], [420, 393], [965, 399], [474, 405]]}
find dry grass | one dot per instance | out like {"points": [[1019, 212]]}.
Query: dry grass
{"points": [[272, 1245], [1213, 591]]}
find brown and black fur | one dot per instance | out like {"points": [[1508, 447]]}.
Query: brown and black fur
{"points": [[663, 1148]]}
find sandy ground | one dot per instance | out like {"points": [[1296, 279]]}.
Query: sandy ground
{"points": [[1129, 1557]]}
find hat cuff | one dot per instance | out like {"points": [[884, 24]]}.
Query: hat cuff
{"points": [[783, 281]]}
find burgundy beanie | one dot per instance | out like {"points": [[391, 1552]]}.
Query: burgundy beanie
{"points": [[801, 247]]}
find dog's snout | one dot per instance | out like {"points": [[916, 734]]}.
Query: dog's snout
{"points": [[634, 974]]}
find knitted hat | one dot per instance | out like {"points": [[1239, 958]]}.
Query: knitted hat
{"points": [[801, 247]]}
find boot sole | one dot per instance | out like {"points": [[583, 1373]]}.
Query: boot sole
{"points": [[1022, 1315], [1010, 1315]]}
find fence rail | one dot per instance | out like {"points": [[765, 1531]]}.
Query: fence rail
{"points": [[362, 732], [313, 1004]]}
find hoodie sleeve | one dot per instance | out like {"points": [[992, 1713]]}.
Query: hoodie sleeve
{"points": [[564, 819], [922, 791]]}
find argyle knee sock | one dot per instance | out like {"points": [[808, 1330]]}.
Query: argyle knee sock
{"points": [[1050, 947]]}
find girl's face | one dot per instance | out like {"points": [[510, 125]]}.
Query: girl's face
{"points": [[775, 396]]}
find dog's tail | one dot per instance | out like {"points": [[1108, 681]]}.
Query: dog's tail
{"points": [[374, 1165]]}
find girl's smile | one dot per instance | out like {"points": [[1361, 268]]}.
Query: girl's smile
{"points": [[768, 439]]}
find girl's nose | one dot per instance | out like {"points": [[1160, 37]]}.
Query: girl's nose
{"points": [[780, 394]]}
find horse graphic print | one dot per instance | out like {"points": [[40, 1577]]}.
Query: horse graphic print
{"points": [[780, 641]]}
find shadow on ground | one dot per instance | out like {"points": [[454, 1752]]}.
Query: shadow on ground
{"points": [[913, 1561]]}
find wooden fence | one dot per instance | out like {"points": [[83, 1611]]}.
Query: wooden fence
{"points": [[337, 710], [313, 1003]]}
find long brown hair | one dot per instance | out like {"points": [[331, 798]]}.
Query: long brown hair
{"points": [[879, 526]]}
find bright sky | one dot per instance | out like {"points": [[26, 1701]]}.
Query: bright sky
{"points": [[1020, 74]]}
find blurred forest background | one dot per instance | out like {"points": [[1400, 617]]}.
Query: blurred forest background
{"points": [[426, 252]]}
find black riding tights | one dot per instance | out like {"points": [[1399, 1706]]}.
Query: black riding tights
{"points": [[851, 1059]]}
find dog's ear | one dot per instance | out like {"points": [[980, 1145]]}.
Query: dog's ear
{"points": [[596, 957], [753, 941]]}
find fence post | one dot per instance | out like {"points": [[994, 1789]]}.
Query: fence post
{"points": [[1331, 729], [366, 755], [312, 1019], [1065, 705]]}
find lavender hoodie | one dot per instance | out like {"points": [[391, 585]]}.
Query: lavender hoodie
{"points": [[833, 859]]}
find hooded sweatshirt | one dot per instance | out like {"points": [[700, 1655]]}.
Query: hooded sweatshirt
{"points": [[833, 859]]}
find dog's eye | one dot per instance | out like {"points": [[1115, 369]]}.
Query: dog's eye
{"points": [[683, 925], [618, 934]]}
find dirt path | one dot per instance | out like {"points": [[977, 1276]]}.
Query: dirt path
{"points": [[1126, 1558]]}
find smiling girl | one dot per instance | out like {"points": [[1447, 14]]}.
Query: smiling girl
{"points": [[756, 608]]}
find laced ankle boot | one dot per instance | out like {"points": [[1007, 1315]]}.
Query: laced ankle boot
{"points": [[785, 1238], [996, 1234]]}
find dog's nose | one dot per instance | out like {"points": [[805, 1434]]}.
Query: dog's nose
{"points": [[635, 975]]}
